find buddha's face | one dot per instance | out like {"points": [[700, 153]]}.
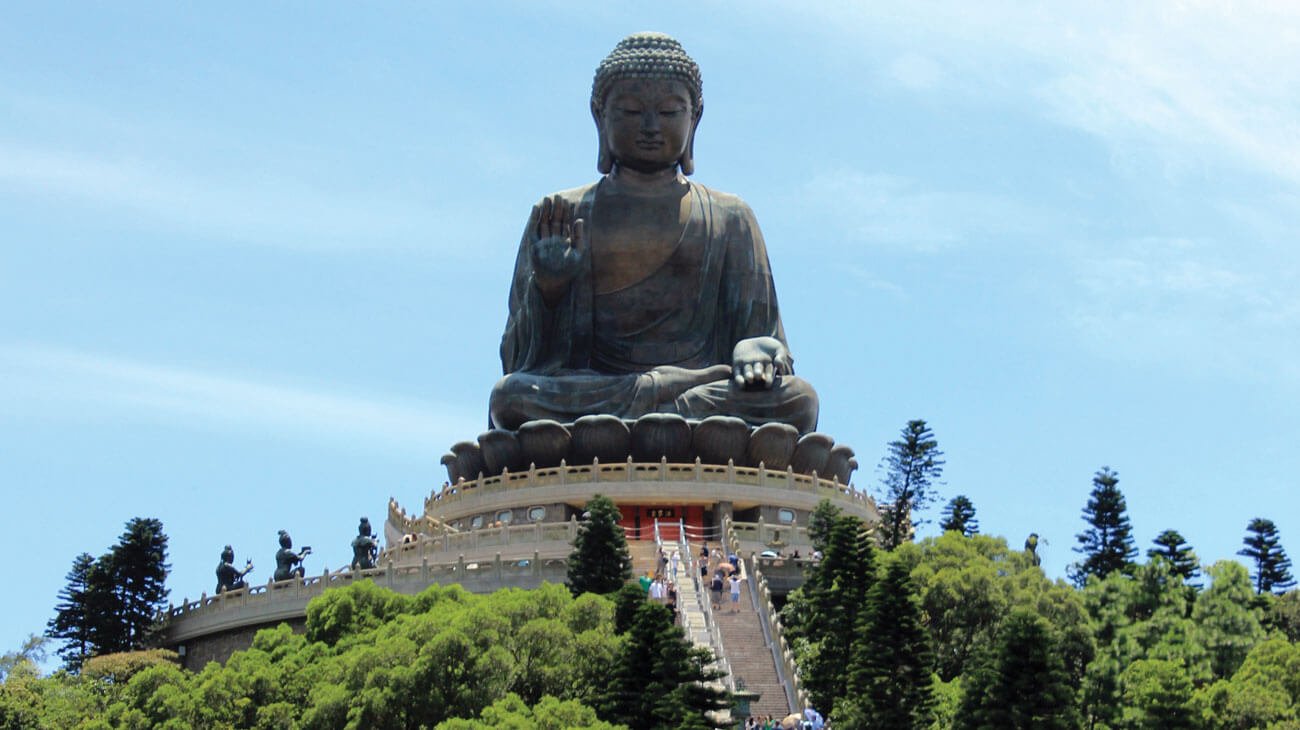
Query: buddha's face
{"points": [[647, 123]]}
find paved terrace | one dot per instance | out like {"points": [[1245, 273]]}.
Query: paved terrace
{"points": [[631, 481]]}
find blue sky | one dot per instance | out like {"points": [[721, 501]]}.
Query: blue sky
{"points": [[254, 261]]}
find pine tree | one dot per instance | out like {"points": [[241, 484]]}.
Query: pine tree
{"points": [[836, 592], [820, 522], [912, 466], [659, 679], [139, 561], [959, 516], [627, 600], [104, 610], [600, 562], [71, 622], [1023, 684], [110, 602], [1272, 566], [1107, 544], [891, 663], [1171, 546]]}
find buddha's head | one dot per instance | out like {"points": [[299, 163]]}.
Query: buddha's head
{"points": [[285, 541], [647, 99]]}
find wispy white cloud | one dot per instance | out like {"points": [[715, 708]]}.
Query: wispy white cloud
{"points": [[1195, 82], [893, 211], [1157, 298], [281, 211], [914, 71], [74, 384]]}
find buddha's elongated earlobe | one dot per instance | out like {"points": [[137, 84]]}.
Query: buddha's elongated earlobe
{"points": [[687, 162], [604, 156]]}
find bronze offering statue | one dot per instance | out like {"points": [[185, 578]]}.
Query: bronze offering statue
{"points": [[364, 547], [286, 559], [645, 292], [230, 578]]}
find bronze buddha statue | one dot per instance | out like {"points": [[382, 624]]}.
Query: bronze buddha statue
{"points": [[645, 292]]}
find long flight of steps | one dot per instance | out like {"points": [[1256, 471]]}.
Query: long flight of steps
{"points": [[749, 655]]}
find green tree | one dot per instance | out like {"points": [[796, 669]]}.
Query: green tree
{"points": [[104, 608], [833, 598], [1283, 614], [510, 713], [72, 621], [659, 680], [912, 467], [140, 568], [109, 603], [1157, 695], [1263, 693], [1022, 683], [1107, 544], [959, 516], [1272, 566], [600, 562], [890, 673], [1227, 620], [626, 602], [1171, 546], [820, 523], [30, 654]]}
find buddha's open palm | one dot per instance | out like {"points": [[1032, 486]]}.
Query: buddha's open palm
{"points": [[756, 361], [558, 242]]}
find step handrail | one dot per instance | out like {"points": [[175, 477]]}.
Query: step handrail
{"points": [[787, 671]]}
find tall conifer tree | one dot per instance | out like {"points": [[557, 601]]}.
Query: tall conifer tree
{"points": [[912, 467], [110, 602], [139, 564], [1023, 685], [959, 516], [1107, 544], [891, 663], [836, 593], [600, 562], [72, 621], [1264, 547], [660, 680], [1171, 546]]}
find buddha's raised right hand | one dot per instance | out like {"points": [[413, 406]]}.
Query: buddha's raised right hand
{"points": [[558, 244]]}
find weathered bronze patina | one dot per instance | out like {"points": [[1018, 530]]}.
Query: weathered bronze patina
{"points": [[230, 578], [288, 564], [645, 292], [365, 548]]}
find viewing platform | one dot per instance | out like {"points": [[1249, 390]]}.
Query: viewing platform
{"points": [[517, 530]]}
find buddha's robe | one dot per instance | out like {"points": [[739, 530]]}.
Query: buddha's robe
{"points": [[598, 352]]}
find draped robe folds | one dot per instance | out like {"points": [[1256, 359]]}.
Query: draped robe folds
{"points": [[598, 352]]}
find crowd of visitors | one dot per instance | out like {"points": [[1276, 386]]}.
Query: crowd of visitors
{"points": [[809, 720]]}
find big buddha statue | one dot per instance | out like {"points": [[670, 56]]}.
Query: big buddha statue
{"points": [[646, 292]]}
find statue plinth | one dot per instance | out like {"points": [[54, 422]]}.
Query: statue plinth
{"points": [[717, 440]]}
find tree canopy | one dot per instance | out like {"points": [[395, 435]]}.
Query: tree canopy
{"points": [[600, 562], [911, 470], [1107, 544]]}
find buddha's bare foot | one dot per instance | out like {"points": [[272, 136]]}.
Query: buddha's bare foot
{"points": [[673, 381]]}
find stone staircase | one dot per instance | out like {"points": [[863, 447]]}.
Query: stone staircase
{"points": [[645, 556], [749, 655]]}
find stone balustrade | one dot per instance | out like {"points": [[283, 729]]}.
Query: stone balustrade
{"points": [[673, 479], [277, 601]]}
